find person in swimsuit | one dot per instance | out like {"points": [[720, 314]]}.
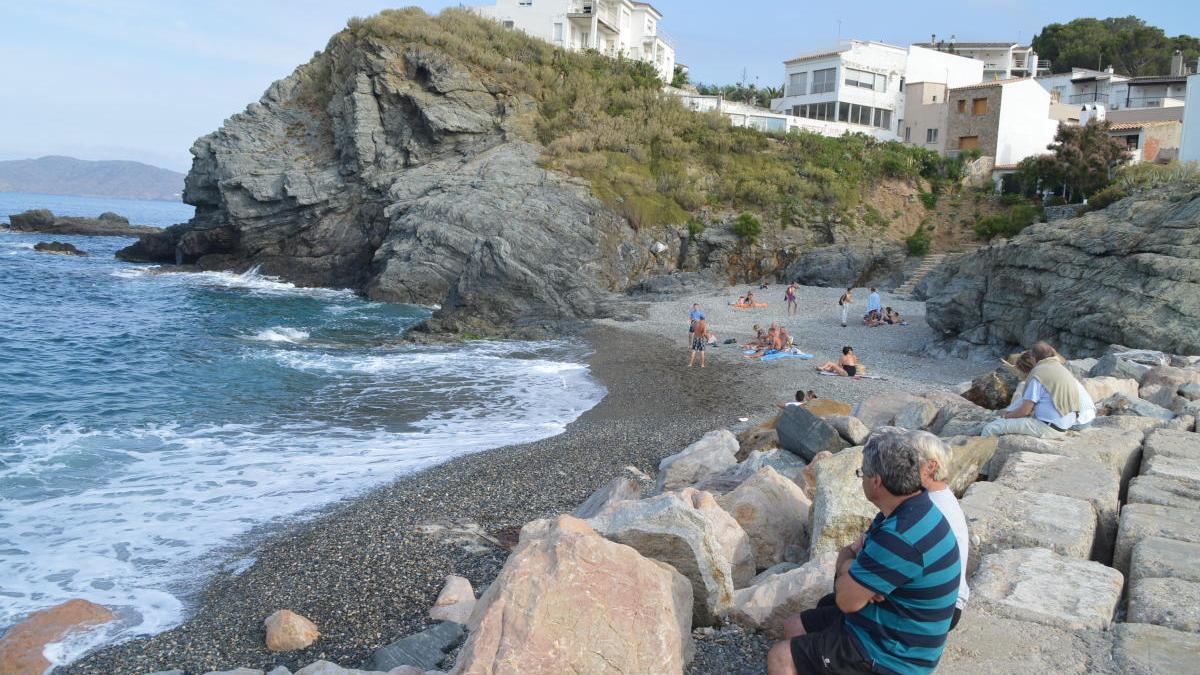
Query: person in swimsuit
{"points": [[699, 340], [848, 365], [790, 296]]}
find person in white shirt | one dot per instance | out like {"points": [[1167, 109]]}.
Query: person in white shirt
{"points": [[1052, 403], [934, 462], [874, 304]]}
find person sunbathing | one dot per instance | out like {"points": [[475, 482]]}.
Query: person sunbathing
{"points": [[848, 365], [892, 317], [760, 338], [769, 345], [872, 318]]}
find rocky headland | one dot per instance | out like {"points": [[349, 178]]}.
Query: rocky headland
{"points": [[108, 224], [1128, 274]]}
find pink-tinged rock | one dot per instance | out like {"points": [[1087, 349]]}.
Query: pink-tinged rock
{"points": [[570, 601], [287, 631], [735, 542], [455, 602], [765, 606], [21, 647], [773, 511]]}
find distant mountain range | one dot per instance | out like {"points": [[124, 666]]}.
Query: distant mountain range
{"points": [[57, 175]]}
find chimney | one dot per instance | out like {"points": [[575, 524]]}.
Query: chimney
{"points": [[1177, 64]]}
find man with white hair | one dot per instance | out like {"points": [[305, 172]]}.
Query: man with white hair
{"points": [[934, 462]]}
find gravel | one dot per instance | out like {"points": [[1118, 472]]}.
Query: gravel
{"points": [[367, 571]]}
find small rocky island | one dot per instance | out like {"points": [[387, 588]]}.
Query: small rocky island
{"points": [[58, 248], [108, 224]]}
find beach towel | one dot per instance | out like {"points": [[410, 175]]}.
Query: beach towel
{"points": [[753, 305], [856, 377], [786, 354]]}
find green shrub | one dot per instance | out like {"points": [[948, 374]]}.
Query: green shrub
{"points": [[1012, 200], [929, 199], [919, 241], [1103, 198], [748, 227], [873, 218], [695, 227], [1008, 224], [1147, 175]]}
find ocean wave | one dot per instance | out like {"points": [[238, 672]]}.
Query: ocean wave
{"points": [[280, 334], [251, 281]]}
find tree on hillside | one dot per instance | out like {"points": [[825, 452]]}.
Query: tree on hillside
{"points": [[1130, 45], [1081, 161], [680, 78]]}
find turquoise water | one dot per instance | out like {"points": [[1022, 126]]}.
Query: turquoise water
{"points": [[148, 420]]}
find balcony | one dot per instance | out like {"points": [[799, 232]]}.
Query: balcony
{"points": [[1093, 97], [605, 13]]}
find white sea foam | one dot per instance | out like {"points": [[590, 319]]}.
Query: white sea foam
{"points": [[280, 334], [250, 281], [167, 500]]}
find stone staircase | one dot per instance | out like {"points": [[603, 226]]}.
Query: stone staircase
{"points": [[928, 263]]}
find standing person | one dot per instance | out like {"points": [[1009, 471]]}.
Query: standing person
{"points": [[790, 296], [844, 302], [874, 304], [694, 316], [699, 340]]}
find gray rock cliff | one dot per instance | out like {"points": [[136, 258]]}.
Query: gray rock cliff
{"points": [[1128, 274], [395, 171]]}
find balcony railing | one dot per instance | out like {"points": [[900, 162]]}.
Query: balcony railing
{"points": [[1094, 97]]}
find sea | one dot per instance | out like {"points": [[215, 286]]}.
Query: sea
{"points": [[150, 422]]}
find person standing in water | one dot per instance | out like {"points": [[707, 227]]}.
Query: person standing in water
{"points": [[844, 302], [790, 296], [699, 340]]}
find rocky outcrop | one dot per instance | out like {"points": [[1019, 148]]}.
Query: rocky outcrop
{"points": [[58, 248], [845, 265], [107, 225], [1129, 274], [390, 168]]}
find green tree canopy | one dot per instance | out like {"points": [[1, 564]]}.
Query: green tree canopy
{"points": [[1081, 160], [1130, 45]]}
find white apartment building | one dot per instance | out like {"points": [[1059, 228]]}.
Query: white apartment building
{"points": [[1156, 91], [1189, 149], [1083, 86], [1001, 60], [611, 27], [860, 86]]}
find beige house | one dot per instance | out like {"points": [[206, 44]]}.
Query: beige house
{"points": [[925, 115], [1149, 141]]}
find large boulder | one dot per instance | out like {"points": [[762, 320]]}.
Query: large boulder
{"points": [[1119, 449], [1124, 274], [994, 389], [985, 643], [22, 646], [684, 531], [1174, 603], [712, 454], [759, 437], [1111, 365], [1120, 404], [1144, 648], [968, 456], [425, 650], [1159, 558], [840, 511], [1173, 455], [1163, 491], [1035, 584], [619, 489], [850, 428], [1070, 477], [882, 410], [456, 602], [805, 434], [872, 263], [1100, 388], [918, 414], [773, 511], [1000, 518], [824, 407], [1171, 378], [767, 604], [1139, 521], [788, 465], [567, 600]]}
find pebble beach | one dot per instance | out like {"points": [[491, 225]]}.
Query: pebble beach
{"points": [[368, 569]]}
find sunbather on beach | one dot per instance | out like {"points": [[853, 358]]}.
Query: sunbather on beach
{"points": [[892, 317], [760, 338], [848, 365], [770, 343]]}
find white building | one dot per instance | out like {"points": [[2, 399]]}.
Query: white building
{"points": [[1083, 85], [1189, 149], [1156, 91], [611, 27], [1001, 60], [860, 86], [1006, 120]]}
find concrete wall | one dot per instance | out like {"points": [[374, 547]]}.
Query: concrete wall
{"points": [[1189, 151], [924, 109], [1025, 127], [930, 65]]}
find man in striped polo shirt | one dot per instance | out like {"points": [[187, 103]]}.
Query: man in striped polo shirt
{"points": [[895, 595]]}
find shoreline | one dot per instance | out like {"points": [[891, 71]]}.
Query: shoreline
{"points": [[367, 569]]}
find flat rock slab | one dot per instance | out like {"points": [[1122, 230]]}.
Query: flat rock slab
{"points": [[1174, 603], [1000, 518], [1164, 491], [1116, 448], [1070, 477], [1155, 557], [968, 456], [882, 410], [1142, 649], [1174, 454], [996, 645], [1036, 584], [840, 511], [426, 649], [1139, 521]]}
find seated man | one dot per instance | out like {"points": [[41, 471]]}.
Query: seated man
{"points": [[801, 399], [894, 596], [1053, 401], [934, 460]]}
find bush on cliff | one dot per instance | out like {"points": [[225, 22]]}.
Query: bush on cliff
{"points": [[608, 121]]}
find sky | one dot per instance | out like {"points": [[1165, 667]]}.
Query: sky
{"points": [[142, 79]]}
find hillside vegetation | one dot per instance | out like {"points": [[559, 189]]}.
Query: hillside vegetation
{"points": [[644, 154], [55, 175]]}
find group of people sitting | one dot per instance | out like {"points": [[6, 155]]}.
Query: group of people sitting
{"points": [[901, 587], [881, 316], [748, 301], [774, 339]]}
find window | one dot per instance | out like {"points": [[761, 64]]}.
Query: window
{"points": [[931, 135], [907, 134], [979, 106], [865, 115], [865, 80], [650, 26], [962, 105], [525, 3], [507, 24], [817, 111], [968, 142], [935, 98], [797, 84], [558, 32], [824, 81], [1131, 142]]}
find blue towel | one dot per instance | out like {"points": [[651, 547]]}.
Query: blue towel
{"points": [[775, 355]]}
